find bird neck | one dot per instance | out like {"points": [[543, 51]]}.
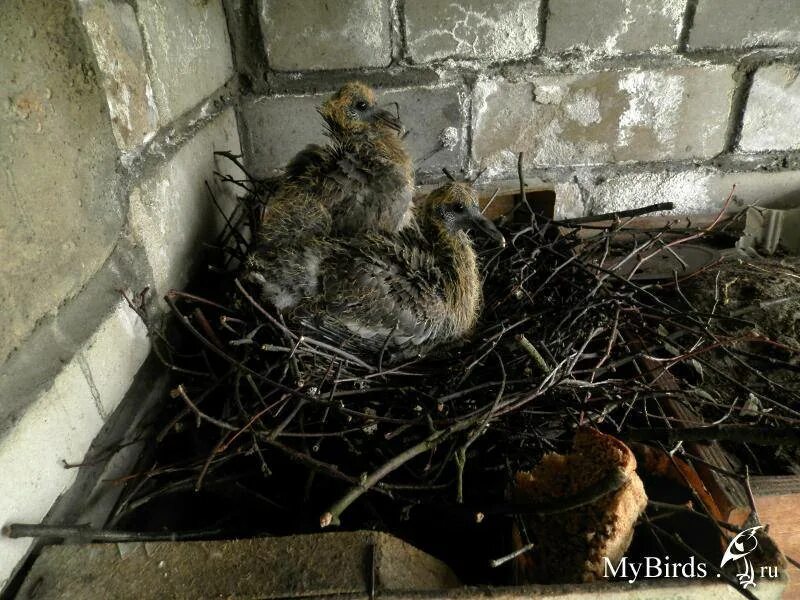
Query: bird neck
{"points": [[456, 260]]}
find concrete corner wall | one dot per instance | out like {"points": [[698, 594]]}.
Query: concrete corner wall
{"points": [[113, 109], [111, 114]]}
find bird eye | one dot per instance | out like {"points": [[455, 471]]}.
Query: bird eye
{"points": [[361, 105], [460, 207]]}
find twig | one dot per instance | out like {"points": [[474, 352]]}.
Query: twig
{"points": [[504, 559], [331, 516], [620, 214], [85, 534]]}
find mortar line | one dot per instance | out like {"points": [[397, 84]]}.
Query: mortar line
{"points": [[171, 137], [87, 375], [743, 76], [400, 12], [466, 163], [687, 23], [541, 24]]}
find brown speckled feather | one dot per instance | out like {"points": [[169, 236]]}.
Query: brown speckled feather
{"points": [[362, 181], [408, 291]]}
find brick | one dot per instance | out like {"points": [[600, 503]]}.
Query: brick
{"points": [[318, 565], [432, 116], [171, 213], [695, 191], [745, 23], [279, 127], [312, 35], [114, 34], [60, 424], [636, 115], [614, 26], [773, 110], [59, 214], [189, 51], [474, 29], [112, 356]]}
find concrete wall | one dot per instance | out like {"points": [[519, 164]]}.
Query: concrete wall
{"points": [[620, 102], [110, 115], [112, 109]]}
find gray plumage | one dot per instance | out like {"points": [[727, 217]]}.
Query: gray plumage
{"points": [[408, 291], [361, 181]]}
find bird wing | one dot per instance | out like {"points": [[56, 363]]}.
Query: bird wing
{"points": [[307, 161], [289, 248], [379, 288]]}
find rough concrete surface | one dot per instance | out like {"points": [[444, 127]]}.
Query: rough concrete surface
{"points": [[172, 213], [433, 117], [474, 29], [772, 114], [614, 26], [286, 567], [278, 127], [747, 23], [188, 49], [317, 34], [602, 117], [59, 214], [117, 44], [694, 191]]}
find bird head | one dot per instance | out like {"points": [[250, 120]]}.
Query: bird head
{"points": [[455, 206], [353, 110]]}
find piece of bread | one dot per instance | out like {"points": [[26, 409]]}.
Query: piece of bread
{"points": [[570, 546]]}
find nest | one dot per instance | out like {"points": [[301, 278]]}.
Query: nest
{"points": [[271, 432]]}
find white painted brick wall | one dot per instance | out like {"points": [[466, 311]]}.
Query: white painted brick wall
{"points": [[60, 424], [172, 214]]}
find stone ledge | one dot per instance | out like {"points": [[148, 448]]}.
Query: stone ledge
{"points": [[694, 191], [323, 564]]}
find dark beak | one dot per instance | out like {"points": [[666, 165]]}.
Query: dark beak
{"points": [[384, 116], [486, 226]]}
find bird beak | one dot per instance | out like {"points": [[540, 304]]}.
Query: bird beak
{"points": [[486, 226], [388, 119]]}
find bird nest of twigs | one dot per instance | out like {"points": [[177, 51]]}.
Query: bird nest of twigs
{"points": [[270, 432]]}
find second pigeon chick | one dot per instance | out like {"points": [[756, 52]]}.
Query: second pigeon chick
{"points": [[406, 292]]}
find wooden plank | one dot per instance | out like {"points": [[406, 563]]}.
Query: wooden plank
{"points": [[729, 494], [779, 511]]}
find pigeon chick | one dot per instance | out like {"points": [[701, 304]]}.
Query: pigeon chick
{"points": [[406, 292], [361, 181]]}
